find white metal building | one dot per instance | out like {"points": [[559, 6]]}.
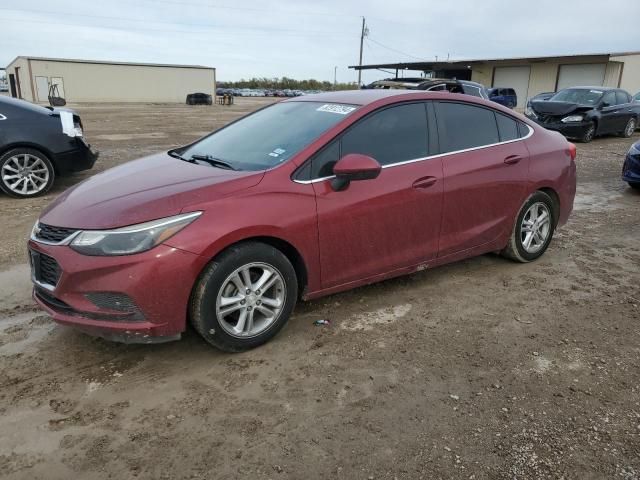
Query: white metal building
{"points": [[530, 76], [96, 81]]}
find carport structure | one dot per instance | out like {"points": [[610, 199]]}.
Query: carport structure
{"points": [[530, 76]]}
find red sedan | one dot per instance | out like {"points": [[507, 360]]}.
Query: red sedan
{"points": [[304, 198]]}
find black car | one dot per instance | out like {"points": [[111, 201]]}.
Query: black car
{"points": [[199, 99], [38, 143], [584, 112]]}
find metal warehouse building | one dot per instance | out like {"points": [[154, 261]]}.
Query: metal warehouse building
{"points": [[533, 75], [96, 81]]}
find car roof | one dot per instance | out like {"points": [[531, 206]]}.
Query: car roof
{"points": [[356, 97], [586, 87]]}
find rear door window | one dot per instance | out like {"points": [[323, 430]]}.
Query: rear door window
{"points": [[622, 98], [462, 126]]}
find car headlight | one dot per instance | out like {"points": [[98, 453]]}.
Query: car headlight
{"points": [[572, 118], [529, 112], [132, 239]]}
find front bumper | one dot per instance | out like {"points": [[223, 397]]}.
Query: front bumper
{"points": [[155, 285], [81, 157], [631, 168], [569, 130]]}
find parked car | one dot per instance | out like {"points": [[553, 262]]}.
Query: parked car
{"points": [[542, 96], [199, 99], [631, 167], [432, 85], [585, 112], [504, 96], [371, 190], [37, 144]]}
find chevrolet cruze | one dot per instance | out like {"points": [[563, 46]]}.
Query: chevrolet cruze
{"points": [[301, 199]]}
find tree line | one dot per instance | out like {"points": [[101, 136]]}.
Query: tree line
{"points": [[286, 83]]}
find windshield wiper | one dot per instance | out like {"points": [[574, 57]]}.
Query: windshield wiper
{"points": [[175, 154], [216, 162]]}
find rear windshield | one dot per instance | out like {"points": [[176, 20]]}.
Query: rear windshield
{"points": [[270, 136], [581, 96]]}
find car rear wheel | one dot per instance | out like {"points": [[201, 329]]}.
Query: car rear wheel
{"points": [[244, 297], [533, 229], [630, 128], [589, 133], [634, 185], [25, 173]]}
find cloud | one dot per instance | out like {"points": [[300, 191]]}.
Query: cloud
{"points": [[305, 38]]}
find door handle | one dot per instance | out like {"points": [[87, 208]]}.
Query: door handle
{"points": [[512, 159], [425, 182]]}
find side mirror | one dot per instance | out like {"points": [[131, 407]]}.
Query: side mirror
{"points": [[604, 105], [354, 167]]}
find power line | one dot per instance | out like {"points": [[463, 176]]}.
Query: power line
{"points": [[249, 9], [193, 25], [397, 51]]}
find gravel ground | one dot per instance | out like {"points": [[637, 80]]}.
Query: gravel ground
{"points": [[484, 369]]}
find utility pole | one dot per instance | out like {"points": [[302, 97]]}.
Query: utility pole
{"points": [[335, 76], [362, 35]]}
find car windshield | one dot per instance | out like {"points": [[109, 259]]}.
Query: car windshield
{"points": [[270, 136], [581, 96]]}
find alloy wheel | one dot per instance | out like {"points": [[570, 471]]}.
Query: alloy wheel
{"points": [[535, 227], [25, 174], [590, 133], [631, 127], [250, 300]]}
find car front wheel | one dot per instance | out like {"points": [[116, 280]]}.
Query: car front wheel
{"points": [[244, 297], [589, 133], [533, 229], [25, 173]]}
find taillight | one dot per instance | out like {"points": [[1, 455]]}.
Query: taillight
{"points": [[572, 151]]}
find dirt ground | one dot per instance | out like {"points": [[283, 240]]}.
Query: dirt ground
{"points": [[484, 369]]}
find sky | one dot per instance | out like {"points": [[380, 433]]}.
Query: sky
{"points": [[308, 38]]}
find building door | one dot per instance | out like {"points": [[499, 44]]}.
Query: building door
{"points": [[590, 74], [516, 78], [12, 85], [60, 83], [42, 89], [18, 90]]}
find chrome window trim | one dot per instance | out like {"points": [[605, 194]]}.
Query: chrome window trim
{"points": [[422, 159]]}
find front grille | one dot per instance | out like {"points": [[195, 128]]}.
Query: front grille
{"points": [[52, 301], [49, 270], [48, 233], [45, 269], [61, 307], [119, 302]]}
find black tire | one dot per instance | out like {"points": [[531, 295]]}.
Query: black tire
{"points": [[589, 133], [629, 128], [634, 185], [515, 249], [202, 309], [7, 162]]}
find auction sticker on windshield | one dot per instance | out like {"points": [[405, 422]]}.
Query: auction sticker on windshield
{"points": [[339, 109]]}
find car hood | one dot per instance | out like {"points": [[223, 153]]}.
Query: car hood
{"points": [[547, 107], [141, 190]]}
